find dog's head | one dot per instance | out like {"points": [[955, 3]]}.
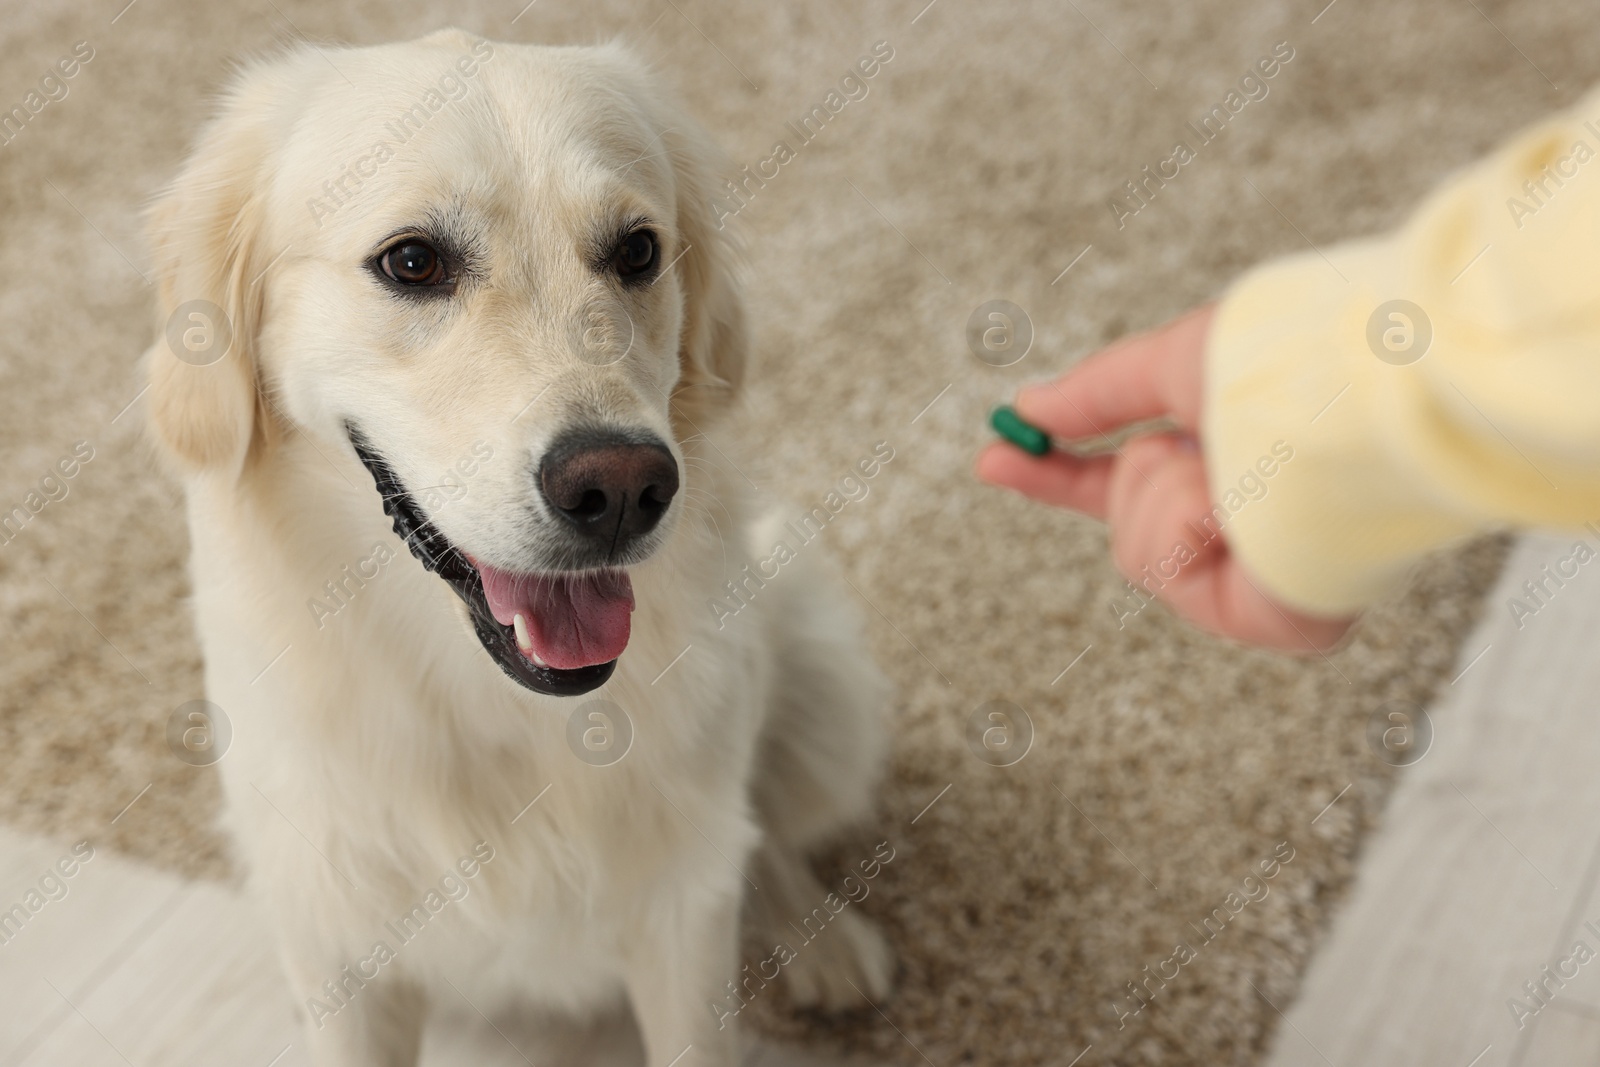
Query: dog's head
{"points": [[494, 273]]}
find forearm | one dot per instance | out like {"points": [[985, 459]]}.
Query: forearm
{"points": [[1405, 442]]}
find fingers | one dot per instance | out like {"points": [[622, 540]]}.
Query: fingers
{"points": [[1156, 503], [1163, 536], [1165, 540], [1153, 492], [1223, 599], [1245, 612], [1146, 376], [1055, 478]]}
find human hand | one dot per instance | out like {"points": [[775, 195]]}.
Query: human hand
{"points": [[1152, 491]]}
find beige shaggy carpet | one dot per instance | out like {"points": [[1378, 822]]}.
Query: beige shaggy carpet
{"points": [[1165, 766]]}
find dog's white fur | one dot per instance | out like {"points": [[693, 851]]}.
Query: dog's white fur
{"points": [[374, 749]]}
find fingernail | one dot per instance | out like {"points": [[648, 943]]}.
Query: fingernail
{"points": [[1028, 393]]}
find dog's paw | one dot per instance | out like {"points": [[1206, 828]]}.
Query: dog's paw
{"points": [[848, 960]]}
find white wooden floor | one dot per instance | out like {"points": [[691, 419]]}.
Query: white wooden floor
{"points": [[1485, 871], [135, 968]]}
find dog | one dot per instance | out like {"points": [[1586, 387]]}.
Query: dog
{"points": [[443, 328]]}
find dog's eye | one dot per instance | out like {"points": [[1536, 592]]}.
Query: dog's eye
{"points": [[413, 262], [636, 254]]}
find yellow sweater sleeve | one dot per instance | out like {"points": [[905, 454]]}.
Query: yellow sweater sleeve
{"points": [[1424, 386]]}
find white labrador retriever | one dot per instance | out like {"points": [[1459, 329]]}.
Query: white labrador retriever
{"points": [[443, 327]]}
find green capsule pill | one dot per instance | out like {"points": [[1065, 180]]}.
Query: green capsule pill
{"points": [[1008, 424]]}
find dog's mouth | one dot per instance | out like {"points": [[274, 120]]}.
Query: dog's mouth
{"points": [[557, 633]]}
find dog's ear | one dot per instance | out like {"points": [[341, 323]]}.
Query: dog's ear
{"points": [[205, 403], [715, 341]]}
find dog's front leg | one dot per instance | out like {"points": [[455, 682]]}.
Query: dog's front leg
{"points": [[375, 1024], [678, 972]]}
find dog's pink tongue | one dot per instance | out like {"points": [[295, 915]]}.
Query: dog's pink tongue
{"points": [[573, 620]]}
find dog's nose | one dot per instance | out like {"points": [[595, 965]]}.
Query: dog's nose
{"points": [[610, 488]]}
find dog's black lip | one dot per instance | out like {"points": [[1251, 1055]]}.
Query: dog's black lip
{"points": [[438, 555]]}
